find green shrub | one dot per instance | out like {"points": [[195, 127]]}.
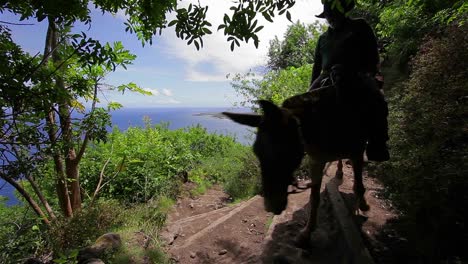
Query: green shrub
{"points": [[237, 171], [81, 230], [146, 218], [243, 181], [21, 234], [426, 177], [146, 162]]}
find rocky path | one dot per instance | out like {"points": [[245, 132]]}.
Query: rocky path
{"points": [[208, 230]]}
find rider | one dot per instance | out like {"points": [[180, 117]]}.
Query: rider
{"points": [[349, 47]]}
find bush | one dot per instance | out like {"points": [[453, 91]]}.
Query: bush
{"points": [[245, 181], [427, 174], [81, 230], [21, 234], [237, 171], [145, 162]]}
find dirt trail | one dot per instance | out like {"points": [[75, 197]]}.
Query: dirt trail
{"points": [[208, 230]]}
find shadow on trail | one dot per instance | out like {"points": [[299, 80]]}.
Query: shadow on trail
{"points": [[387, 246], [325, 245]]}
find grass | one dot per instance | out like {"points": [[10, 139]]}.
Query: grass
{"points": [[142, 222]]}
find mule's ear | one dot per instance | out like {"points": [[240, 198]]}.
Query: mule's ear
{"points": [[270, 110], [252, 120]]}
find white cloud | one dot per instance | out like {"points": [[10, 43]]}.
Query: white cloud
{"points": [[166, 92], [165, 101], [216, 51], [154, 92]]}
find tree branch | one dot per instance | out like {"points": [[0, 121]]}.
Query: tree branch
{"points": [[101, 176], [27, 197], [17, 24]]}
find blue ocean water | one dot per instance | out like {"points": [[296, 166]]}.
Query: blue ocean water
{"points": [[177, 118], [184, 117]]}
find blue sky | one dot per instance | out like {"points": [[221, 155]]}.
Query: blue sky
{"points": [[177, 74]]}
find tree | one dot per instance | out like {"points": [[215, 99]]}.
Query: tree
{"points": [[297, 48], [275, 86], [403, 24], [37, 115], [290, 64]]}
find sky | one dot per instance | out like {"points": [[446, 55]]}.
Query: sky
{"points": [[178, 75]]}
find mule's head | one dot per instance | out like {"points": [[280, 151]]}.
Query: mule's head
{"points": [[278, 146]]}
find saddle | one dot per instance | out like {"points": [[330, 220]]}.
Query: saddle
{"points": [[332, 117]]}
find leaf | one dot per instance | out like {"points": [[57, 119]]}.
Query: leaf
{"points": [[288, 16], [114, 106], [79, 106], [267, 17], [254, 25], [226, 19], [173, 22]]}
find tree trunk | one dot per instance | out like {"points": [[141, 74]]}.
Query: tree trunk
{"points": [[61, 184], [73, 176], [71, 163]]}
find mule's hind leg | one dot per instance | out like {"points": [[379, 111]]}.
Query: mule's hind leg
{"points": [[315, 173], [358, 188], [339, 170]]}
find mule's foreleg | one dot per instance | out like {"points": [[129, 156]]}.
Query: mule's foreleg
{"points": [[316, 173], [358, 187], [339, 170]]}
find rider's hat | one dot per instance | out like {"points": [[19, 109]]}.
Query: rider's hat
{"points": [[343, 6]]}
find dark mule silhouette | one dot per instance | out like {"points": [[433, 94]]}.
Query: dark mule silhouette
{"points": [[323, 123]]}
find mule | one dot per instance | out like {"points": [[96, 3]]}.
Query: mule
{"points": [[318, 124]]}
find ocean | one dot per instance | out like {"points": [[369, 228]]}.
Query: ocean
{"points": [[184, 117], [207, 117]]}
